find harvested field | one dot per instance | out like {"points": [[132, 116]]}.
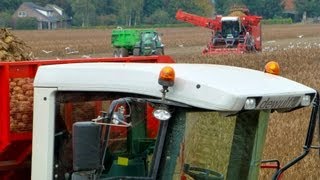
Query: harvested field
{"points": [[295, 47]]}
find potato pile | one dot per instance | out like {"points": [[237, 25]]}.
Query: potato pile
{"points": [[84, 111], [81, 111], [21, 89], [12, 48], [238, 11], [21, 104]]}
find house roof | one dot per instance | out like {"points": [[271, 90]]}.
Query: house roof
{"points": [[42, 11], [55, 8], [34, 6]]}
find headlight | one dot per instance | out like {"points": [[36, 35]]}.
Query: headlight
{"points": [[250, 104], [162, 114], [306, 100]]}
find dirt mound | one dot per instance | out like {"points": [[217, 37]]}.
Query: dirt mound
{"points": [[12, 48]]}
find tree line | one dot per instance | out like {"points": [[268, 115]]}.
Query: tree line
{"points": [[269, 9], [115, 12], [137, 12]]}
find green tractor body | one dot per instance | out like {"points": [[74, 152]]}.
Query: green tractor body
{"points": [[137, 42]]}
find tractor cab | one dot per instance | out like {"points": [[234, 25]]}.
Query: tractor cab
{"points": [[231, 32], [156, 121], [150, 43], [231, 27]]}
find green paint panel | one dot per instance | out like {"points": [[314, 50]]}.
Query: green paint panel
{"points": [[127, 38], [174, 138], [259, 144], [247, 146]]}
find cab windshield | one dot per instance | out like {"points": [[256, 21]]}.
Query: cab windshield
{"points": [[206, 146], [192, 144], [148, 36], [230, 29]]}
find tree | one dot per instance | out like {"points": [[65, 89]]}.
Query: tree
{"points": [[265, 8], [205, 7], [137, 11], [158, 17], [129, 12], [84, 12], [222, 6], [105, 7], [311, 7], [5, 19], [151, 6], [198, 7], [38, 2], [9, 5]]}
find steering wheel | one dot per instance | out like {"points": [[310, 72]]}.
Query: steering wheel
{"points": [[201, 173]]}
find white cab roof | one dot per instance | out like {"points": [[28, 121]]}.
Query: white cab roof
{"points": [[215, 87], [230, 18]]}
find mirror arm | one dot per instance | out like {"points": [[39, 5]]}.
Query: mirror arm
{"points": [[308, 143]]}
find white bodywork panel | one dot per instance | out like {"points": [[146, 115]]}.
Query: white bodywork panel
{"points": [[43, 133], [222, 88]]}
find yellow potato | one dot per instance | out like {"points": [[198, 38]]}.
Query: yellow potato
{"points": [[21, 81], [29, 93], [17, 88]]}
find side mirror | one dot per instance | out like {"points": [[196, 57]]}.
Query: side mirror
{"points": [[86, 146]]}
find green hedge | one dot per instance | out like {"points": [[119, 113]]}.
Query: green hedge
{"points": [[264, 21], [143, 26], [28, 23], [277, 21], [5, 19]]}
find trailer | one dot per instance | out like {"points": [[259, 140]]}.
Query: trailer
{"points": [[136, 42]]}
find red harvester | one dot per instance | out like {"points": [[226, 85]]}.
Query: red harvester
{"points": [[239, 32]]}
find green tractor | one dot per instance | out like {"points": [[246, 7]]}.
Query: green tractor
{"points": [[143, 42]]}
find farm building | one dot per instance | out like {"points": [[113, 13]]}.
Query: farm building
{"points": [[48, 17]]}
